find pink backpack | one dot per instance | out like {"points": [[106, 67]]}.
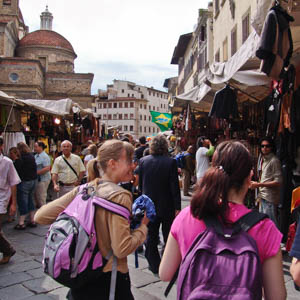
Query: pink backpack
{"points": [[71, 255]]}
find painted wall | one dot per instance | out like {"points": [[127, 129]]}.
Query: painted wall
{"points": [[223, 23]]}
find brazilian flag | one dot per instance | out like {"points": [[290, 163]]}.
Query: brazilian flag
{"points": [[162, 120]]}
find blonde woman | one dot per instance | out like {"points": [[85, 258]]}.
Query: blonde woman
{"points": [[113, 231], [92, 153]]}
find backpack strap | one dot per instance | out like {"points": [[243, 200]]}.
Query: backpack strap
{"points": [[112, 206], [214, 222], [171, 283], [70, 167], [250, 219]]}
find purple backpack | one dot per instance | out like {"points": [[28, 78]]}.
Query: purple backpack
{"points": [[71, 255], [222, 263]]}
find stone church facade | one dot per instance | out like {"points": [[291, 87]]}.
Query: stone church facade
{"points": [[39, 64]]}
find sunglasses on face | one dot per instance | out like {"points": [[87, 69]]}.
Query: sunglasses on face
{"points": [[265, 146]]}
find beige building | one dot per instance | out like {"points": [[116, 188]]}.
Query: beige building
{"points": [[40, 64], [191, 53], [231, 26], [126, 106]]}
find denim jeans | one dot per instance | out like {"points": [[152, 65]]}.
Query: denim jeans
{"points": [[25, 193], [269, 208]]}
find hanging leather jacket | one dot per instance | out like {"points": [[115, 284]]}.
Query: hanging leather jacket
{"points": [[276, 45]]}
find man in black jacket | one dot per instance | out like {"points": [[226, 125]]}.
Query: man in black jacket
{"points": [[158, 179]]}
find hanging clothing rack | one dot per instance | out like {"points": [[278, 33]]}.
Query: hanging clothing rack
{"points": [[243, 92]]}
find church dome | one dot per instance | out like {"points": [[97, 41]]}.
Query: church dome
{"points": [[45, 38]]}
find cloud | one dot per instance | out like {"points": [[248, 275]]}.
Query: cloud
{"points": [[118, 39], [147, 75]]}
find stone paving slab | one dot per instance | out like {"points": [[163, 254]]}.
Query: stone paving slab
{"points": [[42, 285], [15, 292], [157, 290], [12, 279], [36, 273], [138, 294], [141, 259], [139, 278], [292, 293], [38, 258], [40, 297], [22, 266], [59, 294]]}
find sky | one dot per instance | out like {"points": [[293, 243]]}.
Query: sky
{"points": [[120, 39]]}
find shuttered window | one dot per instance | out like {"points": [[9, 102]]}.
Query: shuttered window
{"points": [[246, 27], [225, 50], [217, 56], [233, 41]]}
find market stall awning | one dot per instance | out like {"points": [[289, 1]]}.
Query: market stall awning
{"points": [[193, 97], [222, 72], [6, 99], [62, 107]]}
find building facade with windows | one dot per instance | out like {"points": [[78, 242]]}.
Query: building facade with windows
{"points": [[126, 106], [231, 26], [192, 52]]}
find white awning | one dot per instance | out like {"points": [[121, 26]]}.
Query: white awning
{"points": [[7, 100], [223, 72], [60, 107]]}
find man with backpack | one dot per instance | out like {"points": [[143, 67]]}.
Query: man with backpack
{"points": [[188, 169]]}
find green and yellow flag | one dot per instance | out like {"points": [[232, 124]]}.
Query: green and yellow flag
{"points": [[162, 120]]}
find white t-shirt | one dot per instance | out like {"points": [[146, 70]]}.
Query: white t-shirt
{"points": [[89, 157], [8, 178], [202, 162]]}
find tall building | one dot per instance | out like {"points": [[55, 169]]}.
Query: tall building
{"points": [[39, 64], [126, 105]]}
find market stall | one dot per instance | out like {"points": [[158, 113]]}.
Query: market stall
{"points": [[50, 121]]}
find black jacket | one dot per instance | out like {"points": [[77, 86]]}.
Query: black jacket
{"points": [[225, 104], [277, 17], [138, 153], [158, 179]]}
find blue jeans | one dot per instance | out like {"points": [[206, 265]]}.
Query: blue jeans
{"points": [[25, 192], [269, 208]]}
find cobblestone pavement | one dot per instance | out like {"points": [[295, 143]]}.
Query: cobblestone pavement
{"points": [[23, 278]]}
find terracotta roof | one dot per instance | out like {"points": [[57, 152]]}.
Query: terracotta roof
{"points": [[45, 38]]}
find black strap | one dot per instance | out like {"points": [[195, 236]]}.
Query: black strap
{"points": [[171, 283], [250, 219], [214, 222], [70, 166]]}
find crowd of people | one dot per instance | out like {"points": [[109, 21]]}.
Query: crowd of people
{"points": [[119, 171]]}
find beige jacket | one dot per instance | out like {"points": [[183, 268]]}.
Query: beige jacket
{"points": [[113, 231]]}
